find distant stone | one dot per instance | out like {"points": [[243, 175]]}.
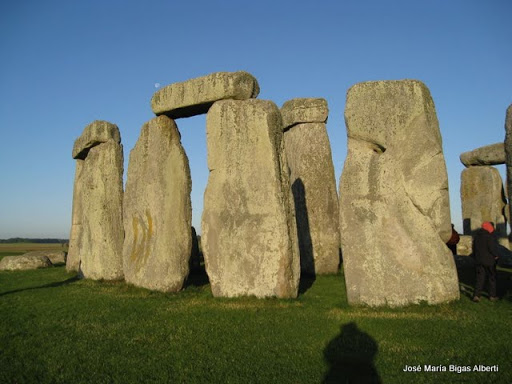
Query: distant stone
{"points": [[24, 262], [488, 155], [249, 238], [465, 245], [157, 209], [304, 110], [56, 257], [394, 202], [313, 185], [508, 155], [95, 133], [195, 96]]}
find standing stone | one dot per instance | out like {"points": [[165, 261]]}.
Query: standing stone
{"points": [[483, 199], [394, 204], [96, 237], [157, 209], [196, 96], [313, 184], [248, 237], [508, 157], [493, 154]]}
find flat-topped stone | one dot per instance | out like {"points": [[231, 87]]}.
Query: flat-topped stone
{"points": [[304, 110], [24, 262], [99, 131], [196, 96], [487, 155]]}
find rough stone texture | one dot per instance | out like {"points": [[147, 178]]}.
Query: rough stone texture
{"points": [[313, 184], [56, 257], [394, 205], [249, 238], [508, 156], [157, 209], [483, 199], [24, 262], [195, 96], [488, 155], [304, 110], [465, 245], [97, 132], [96, 237]]}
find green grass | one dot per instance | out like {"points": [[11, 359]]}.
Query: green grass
{"points": [[57, 329]]}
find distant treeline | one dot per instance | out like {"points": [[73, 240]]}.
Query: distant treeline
{"points": [[39, 241]]}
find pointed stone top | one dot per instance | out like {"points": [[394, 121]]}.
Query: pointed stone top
{"points": [[99, 131], [196, 96], [304, 110], [487, 155]]}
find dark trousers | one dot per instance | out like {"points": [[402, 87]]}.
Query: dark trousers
{"points": [[481, 272]]}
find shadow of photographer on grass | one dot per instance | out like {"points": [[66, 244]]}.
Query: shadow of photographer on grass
{"points": [[351, 356]]}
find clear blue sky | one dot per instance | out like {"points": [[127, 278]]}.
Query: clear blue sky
{"points": [[66, 63]]}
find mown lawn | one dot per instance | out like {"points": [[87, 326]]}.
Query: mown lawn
{"points": [[57, 329]]}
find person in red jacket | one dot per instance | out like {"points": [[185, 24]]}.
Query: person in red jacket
{"points": [[485, 253]]}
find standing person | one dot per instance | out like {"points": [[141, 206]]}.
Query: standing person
{"points": [[485, 253]]}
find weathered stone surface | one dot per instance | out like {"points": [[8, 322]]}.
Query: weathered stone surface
{"points": [[157, 209], [483, 199], [195, 96], [249, 238], [96, 237], [24, 262], [97, 132], [465, 245], [304, 110], [313, 184], [56, 257], [508, 156], [394, 205], [487, 155]]}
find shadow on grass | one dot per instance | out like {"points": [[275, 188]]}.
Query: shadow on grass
{"points": [[351, 356], [51, 285]]}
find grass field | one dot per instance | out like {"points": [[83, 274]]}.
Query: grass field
{"points": [[57, 329]]}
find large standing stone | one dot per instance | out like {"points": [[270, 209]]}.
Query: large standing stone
{"points": [[487, 155], [508, 156], [157, 209], [483, 199], [96, 237], [195, 96], [394, 205], [313, 184], [248, 238]]}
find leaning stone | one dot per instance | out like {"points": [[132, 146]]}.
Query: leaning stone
{"points": [[157, 209], [508, 155], [313, 184], [56, 257], [24, 262], [249, 238], [95, 133], [488, 155], [394, 203], [483, 199], [195, 96], [304, 110]]}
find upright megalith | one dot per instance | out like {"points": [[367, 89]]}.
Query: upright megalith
{"points": [[157, 209], [96, 238], [508, 155], [313, 184], [483, 199], [248, 237], [196, 96], [492, 154], [394, 205]]}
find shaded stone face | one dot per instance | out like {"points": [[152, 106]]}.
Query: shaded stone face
{"points": [[195, 96], [24, 262], [248, 237], [508, 153], [394, 206], [483, 199], [313, 186], [157, 209], [488, 155], [96, 237]]}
